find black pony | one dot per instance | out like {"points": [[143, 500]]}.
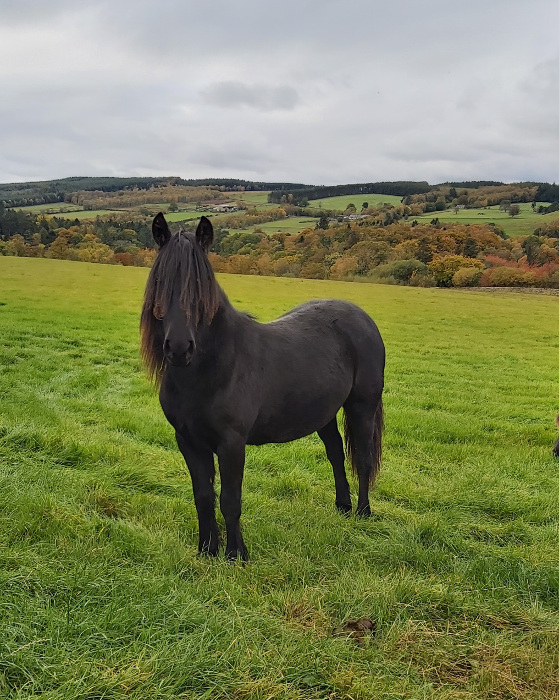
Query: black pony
{"points": [[227, 381]]}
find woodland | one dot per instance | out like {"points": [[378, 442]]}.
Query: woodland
{"points": [[394, 243]]}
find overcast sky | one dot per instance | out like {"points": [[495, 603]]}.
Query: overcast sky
{"points": [[313, 91]]}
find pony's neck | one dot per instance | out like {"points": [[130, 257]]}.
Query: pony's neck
{"points": [[227, 317]]}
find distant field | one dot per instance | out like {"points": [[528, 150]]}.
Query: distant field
{"points": [[255, 199], [342, 202], [185, 215], [54, 208], [79, 213], [521, 225], [103, 595], [293, 224], [71, 211], [94, 213]]}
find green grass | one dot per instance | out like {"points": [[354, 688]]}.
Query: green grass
{"points": [[103, 596], [170, 216], [259, 200], [75, 212], [342, 201], [70, 213], [57, 208], [290, 225], [92, 213], [521, 225]]}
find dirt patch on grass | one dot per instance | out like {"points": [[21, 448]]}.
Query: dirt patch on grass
{"points": [[517, 290], [510, 667]]}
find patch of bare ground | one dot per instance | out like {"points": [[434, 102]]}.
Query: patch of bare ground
{"points": [[508, 667], [518, 290]]}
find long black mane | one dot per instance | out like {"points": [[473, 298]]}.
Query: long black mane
{"points": [[183, 259]]}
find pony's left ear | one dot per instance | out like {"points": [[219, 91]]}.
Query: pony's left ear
{"points": [[160, 230], [205, 233]]}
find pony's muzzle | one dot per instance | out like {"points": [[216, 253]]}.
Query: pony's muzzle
{"points": [[179, 355]]}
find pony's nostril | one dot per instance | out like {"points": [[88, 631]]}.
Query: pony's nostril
{"points": [[179, 354]]}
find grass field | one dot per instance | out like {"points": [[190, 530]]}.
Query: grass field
{"points": [[259, 200], [343, 201], [521, 225], [292, 224], [53, 208], [69, 211], [103, 596]]}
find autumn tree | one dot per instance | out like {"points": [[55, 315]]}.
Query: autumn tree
{"points": [[443, 267]]}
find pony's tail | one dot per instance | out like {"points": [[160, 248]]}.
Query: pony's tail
{"points": [[375, 443]]}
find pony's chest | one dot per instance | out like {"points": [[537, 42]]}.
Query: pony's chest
{"points": [[189, 409], [181, 404]]}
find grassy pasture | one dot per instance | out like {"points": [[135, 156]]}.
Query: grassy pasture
{"points": [[103, 596], [77, 212], [521, 225], [343, 201], [91, 213], [52, 208], [292, 224], [259, 200], [70, 212]]}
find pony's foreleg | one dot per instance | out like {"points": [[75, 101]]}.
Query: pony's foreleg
{"points": [[231, 460], [200, 464], [330, 436]]}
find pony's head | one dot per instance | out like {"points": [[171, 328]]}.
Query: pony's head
{"points": [[181, 295]]}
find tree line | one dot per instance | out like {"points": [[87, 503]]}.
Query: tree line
{"points": [[463, 255], [385, 246], [21, 194], [303, 195]]}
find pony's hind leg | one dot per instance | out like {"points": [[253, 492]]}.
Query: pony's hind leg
{"points": [[200, 464], [330, 436], [363, 429]]}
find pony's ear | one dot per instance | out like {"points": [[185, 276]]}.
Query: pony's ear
{"points": [[160, 230], [205, 233]]}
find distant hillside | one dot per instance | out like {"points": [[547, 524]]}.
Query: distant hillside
{"points": [[21, 194], [303, 195]]}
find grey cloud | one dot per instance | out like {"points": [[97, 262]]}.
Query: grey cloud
{"points": [[320, 92], [233, 94]]}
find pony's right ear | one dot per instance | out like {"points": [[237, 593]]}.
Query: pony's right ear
{"points": [[160, 230], [205, 233]]}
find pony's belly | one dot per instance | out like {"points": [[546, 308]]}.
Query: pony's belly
{"points": [[261, 436], [291, 423]]}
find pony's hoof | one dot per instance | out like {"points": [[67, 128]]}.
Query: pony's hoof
{"points": [[344, 508], [208, 549], [364, 512], [232, 555]]}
